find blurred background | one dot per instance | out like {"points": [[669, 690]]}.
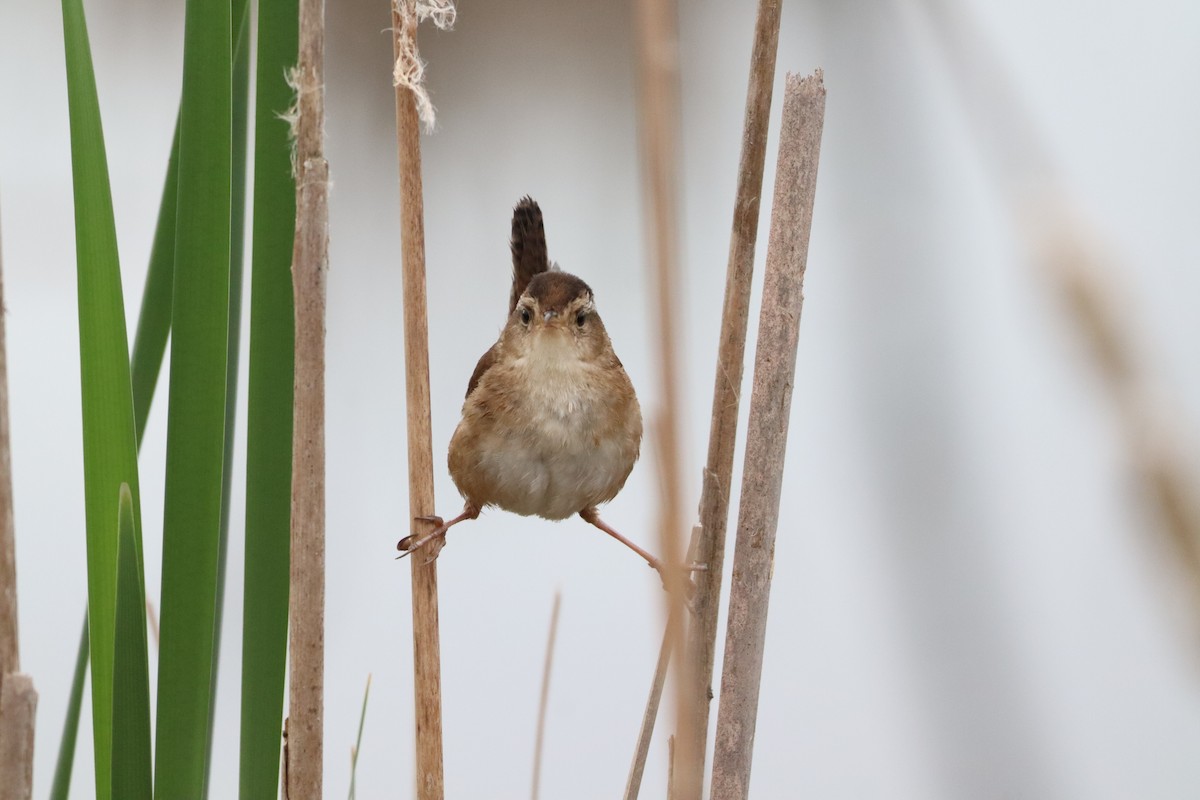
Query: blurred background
{"points": [[973, 597]]}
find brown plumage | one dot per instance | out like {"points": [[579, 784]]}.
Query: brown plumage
{"points": [[528, 247], [551, 425]]}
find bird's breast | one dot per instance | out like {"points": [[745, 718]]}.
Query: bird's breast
{"points": [[546, 437]]}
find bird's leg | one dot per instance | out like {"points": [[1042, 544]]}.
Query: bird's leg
{"points": [[411, 542], [592, 516]]}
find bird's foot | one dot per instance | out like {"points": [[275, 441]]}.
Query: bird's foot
{"points": [[415, 541], [436, 539]]}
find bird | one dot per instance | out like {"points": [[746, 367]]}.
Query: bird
{"points": [[551, 425]]}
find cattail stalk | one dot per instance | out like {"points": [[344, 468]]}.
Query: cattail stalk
{"points": [[310, 261], [731, 356], [427, 679], [766, 437]]}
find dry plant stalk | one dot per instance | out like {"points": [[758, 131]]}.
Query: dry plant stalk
{"points": [[18, 700], [658, 56], [10, 659], [310, 262], [671, 791], [427, 669], [633, 784], [731, 356], [766, 437], [544, 702], [18, 709]]}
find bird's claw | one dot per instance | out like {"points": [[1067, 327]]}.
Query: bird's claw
{"points": [[414, 541]]}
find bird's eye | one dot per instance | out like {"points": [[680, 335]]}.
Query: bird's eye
{"points": [[580, 318], [525, 315]]}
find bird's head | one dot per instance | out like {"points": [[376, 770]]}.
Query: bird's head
{"points": [[556, 317]]}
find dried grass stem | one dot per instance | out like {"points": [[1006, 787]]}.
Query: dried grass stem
{"points": [[766, 437], [310, 260], [427, 681]]}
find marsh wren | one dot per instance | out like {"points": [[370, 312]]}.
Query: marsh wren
{"points": [[551, 426]]}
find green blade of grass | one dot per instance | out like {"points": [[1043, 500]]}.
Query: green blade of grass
{"points": [[154, 319], [237, 227], [131, 777], [149, 344], [196, 412], [109, 438], [61, 786], [269, 414]]}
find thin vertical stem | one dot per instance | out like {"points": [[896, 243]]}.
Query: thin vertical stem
{"points": [[633, 784], [766, 437], [310, 260], [10, 658], [658, 54], [544, 702], [427, 678], [731, 356]]}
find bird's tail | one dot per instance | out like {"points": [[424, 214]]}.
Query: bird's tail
{"points": [[528, 247]]}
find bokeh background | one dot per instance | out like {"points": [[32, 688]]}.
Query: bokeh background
{"points": [[972, 597]]}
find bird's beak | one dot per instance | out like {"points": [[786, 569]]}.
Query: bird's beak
{"points": [[549, 315]]}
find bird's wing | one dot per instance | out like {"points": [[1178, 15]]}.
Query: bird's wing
{"points": [[485, 363], [528, 248]]}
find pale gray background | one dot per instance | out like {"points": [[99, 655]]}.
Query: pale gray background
{"points": [[969, 600]]}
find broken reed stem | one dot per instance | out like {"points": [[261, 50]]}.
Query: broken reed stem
{"points": [[766, 436], [731, 356], [633, 785], [18, 710], [545, 698], [658, 56], [310, 262], [427, 681]]}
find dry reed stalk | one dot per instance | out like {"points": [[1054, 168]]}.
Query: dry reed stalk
{"points": [[18, 710], [10, 658], [310, 262], [633, 783], [18, 699], [671, 791], [766, 436], [544, 702], [658, 56], [427, 680], [731, 356]]}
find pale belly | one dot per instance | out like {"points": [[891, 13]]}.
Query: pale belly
{"points": [[547, 458]]}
